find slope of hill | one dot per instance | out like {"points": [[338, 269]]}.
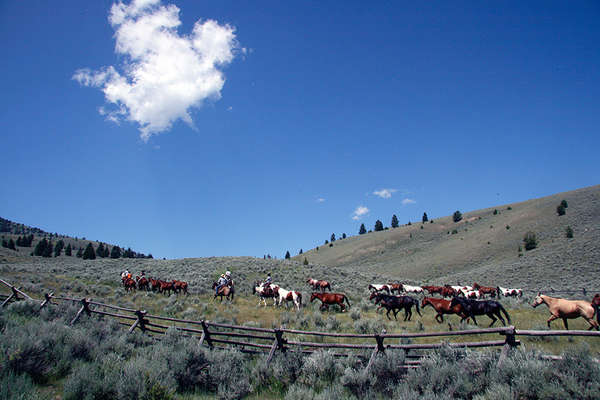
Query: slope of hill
{"points": [[485, 246]]}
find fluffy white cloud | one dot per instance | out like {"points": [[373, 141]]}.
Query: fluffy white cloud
{"points": [[164, 74], [384, 193], [320, 200], [408, 201], [359, 212]]}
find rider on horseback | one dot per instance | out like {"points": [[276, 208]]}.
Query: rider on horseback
{"points": [[224, 280], [268, 281]]}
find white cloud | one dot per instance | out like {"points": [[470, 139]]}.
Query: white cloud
{"points": [[384, 193], [164, 74], [320, 200], [359, 212], [408, 201]]}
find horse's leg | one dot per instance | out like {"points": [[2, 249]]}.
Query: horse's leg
{"points": [[440, 316], [500, 316], [566, 323], [494, 319], [387, 314], [552, 318]]}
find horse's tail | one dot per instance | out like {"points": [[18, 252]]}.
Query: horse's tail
{"points": [[418, 311], [347, 301], [505, 313]]}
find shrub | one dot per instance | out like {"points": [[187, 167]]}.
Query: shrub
{"points": [[569, 232], [495, 212], [530, 240], [454, 231], [457, 216], [560, 210], [355, 315], [564, 203]]}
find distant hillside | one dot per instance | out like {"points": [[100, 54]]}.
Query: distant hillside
{"points": [[485, 245], [10, 230]]}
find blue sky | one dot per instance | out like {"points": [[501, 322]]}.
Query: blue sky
{"points": [[247, 128]]}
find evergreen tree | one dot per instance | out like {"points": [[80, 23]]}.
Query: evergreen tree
{"points": [[11, 244], [287, 255], [29, 241], [106, 251], [40, 247], [394, 221], [300, 252], [305, 261], [343, 236], [100, 251], [457, 216], [564, 204], [378, 226], [20, 241], [150, 255], [69, 250], [332, 237], [362, 230], [4, 243], [560, 210], [48, 250], [58, 248], [80, 253], [425, 219], [89, 253], [115, 252]]}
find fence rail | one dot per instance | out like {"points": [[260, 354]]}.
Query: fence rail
{"points": [[268, 341]]}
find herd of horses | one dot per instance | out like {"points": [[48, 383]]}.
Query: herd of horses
{"points": [[467, 302], [156, 285]]}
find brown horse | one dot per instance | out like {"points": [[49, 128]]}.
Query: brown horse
{"points": [[129, 284], [567, 309], [485, 289], [447, 291], [330, 298], [180, 286], [395, 287], [227, 290], [433, 289], [319, 284], [442, 306]]}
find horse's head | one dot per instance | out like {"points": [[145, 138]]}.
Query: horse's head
{"points": [[309, 280], [476, 286], [373, 295], [538, 300], [455, 301], [596, 300], [314, 296], [424, 302]]}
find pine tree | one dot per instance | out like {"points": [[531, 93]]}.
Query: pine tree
{"points": [[11, 244], [89, 253], [394, 221], [300, 252], [48, 249], [332, 237], [80, 253], [287, 255], [362, 230], [425, 219], [305, 261], [457, 216], [106, 252], [58, 248], [343, 236], [378, 226], [115, 252], [100, 250], [20, 241], [40, 247], [69, 250]]}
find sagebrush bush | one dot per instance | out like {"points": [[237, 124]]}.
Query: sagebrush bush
{"points": [[21, 387]]}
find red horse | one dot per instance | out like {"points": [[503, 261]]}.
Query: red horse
{"points": [[180, 286], [330, 298], [485, 289], [433, 289], [319, 284], [442, 306]]}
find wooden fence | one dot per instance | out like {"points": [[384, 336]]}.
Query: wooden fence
{"points": [[269, 341]]}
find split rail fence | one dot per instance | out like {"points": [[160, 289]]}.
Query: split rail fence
{"points": [[269, 341]]}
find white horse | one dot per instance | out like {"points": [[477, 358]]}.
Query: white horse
{"points": [[288, 295], [471, 294], [509, 292], [265, 292], [412, 289], [379, 288]]}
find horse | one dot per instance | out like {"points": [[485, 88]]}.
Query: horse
{"points": [[330, 298], [180, 286], [264, 292], [142, 283], [509, 292], [395, 287], [412, 289], [471, 308], [395, 304], [433, 289], [288, 295], [472, 294], [155, 284], [319, 284], [567, 309], [165, 287], [485, 289], [443, 306], [379, 288], [596, 305], [227, 290], [447, 291], [129, 284]]}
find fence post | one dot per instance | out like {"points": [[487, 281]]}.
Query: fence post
{"points": [[85, 306], [48, 297], [510, 342], [379, 349], [278, 343], [9, 298], [205, 335], [139, 321]]}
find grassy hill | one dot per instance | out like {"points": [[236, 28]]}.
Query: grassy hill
{"points": [[485, 246]]}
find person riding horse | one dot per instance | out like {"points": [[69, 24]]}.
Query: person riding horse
{"points": [[224, 280], [268, 281]]}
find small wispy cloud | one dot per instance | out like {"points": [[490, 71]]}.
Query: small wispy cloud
{"points": [[164, 74], [320, 200], [408, 201], [359, 212], [385, 193]]}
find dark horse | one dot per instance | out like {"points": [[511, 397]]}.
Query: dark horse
{"points": [[596, 305], [330, 298], [471, 308], [226, 291], [395, 304]]}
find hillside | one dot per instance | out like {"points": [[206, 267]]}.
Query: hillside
{"points": [[485, 247]]}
